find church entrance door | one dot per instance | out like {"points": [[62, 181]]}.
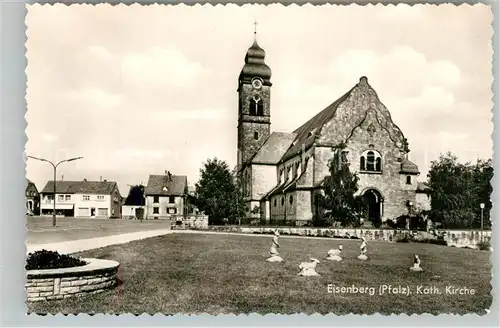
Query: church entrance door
{"points": [[373, 200]]}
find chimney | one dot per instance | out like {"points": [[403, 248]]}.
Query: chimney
{"points": [[85, 180]]}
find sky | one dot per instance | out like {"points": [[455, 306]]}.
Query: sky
{"points": [[137, 90]]}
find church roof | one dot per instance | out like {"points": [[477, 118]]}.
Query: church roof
{"points": [[408, 166], [274, 148], [308, 133]]}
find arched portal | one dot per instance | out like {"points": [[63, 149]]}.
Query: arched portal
{"points": [[374, 206]]}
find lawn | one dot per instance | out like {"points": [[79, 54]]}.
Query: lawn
{"points": [[223, 274]]}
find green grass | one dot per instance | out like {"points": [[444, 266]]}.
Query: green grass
{"points": [[222, 274]]}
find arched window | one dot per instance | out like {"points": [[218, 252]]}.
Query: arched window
{"points": [[283, 201], [256, 135], [291, 199], [408, 179], [256, 106], [371, 161], [275, 202]]}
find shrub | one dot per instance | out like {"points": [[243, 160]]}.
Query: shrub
{"points": [[45, 259], [403, 239], [484, 245]]}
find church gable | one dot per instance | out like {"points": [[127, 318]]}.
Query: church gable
{"points": [[362, 105]]}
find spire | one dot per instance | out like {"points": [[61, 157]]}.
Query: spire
{"points": [[255, 65], [255, 30]]}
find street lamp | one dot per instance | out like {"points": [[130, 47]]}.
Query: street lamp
{"points": [[482, 209], [410, 206], [55, 169]]}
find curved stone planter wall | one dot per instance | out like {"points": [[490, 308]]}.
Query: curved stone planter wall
{"points": [[52, 284]]}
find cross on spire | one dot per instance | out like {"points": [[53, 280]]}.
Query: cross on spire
{"points": [[255, 29]]}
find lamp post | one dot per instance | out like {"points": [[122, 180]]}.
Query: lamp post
{"points": [[410, 206], [55, 175], [482, 210]]}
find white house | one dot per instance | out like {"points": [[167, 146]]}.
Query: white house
{"points": [[86, 199], [166, 196]]}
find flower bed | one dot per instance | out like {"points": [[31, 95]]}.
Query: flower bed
{"points": [[94, 277]]}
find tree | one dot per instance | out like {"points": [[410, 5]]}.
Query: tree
{"points": [[238, 206], [340, 188], [135, 196], [217, 192], [457, 189]]}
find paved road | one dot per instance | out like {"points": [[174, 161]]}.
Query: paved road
{"points": [[40, 230]]}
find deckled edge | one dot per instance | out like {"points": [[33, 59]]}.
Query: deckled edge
{"points": [[494, 87]]}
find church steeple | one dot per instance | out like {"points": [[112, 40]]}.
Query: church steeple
{"points": [[254, 112], [255, 65]]}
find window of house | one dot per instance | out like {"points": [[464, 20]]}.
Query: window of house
{"points": [[371, 160], [86, 197], [275, 202], [67, 197], [156, 199], [408, 179], [60, 198], [256, 135], [291, 199], [172, 210], [171, 199], [282, 201], [50, 197], [297, 166], [100, 197], [156, 210]]}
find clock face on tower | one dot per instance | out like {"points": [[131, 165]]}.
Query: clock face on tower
{"points": [[257, 83]]}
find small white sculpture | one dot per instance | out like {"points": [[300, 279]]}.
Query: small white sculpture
{"points": [[335, 254], [416, 264], [274, 249], [308, 269], [362, 249]]}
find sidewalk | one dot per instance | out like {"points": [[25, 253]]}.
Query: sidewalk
{"points": [[80, 245]]}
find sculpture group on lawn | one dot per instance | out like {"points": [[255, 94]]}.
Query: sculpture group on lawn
{"points": [[275, 257]]}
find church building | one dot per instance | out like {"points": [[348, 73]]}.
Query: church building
{"points": [[281, 172]]}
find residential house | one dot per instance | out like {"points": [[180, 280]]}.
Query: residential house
{"points": [[85, 199], [166, 196], [32, 199]]}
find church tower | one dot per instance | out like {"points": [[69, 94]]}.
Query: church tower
{"points": [[254, 112]]}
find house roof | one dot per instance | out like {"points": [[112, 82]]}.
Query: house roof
{"points": [[274, 148], [81, 187], [30, 184], [175, 186]]}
